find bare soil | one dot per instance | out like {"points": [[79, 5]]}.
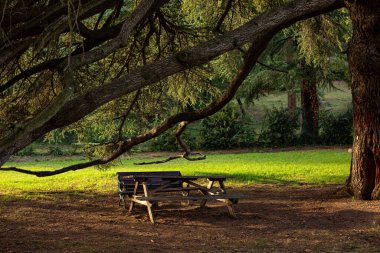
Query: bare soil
{"points": [[272, 218]]}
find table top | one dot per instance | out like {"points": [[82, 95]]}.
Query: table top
{"points": [[210, 177]]}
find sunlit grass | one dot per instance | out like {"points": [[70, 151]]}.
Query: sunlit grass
{"points": [[295, 167]]}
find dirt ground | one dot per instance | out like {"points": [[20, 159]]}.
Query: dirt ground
{"points": [[271, 219]]}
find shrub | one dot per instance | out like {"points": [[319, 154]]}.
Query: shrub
{"points": [[279, 128], [225, 130], [164, 142], [246, 135], [56, 151], [336, 129], [27, 151]]}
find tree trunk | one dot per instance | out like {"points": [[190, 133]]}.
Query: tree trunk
{"points": [[241, 107], [364, 62], [292, 100], [310, 108]]}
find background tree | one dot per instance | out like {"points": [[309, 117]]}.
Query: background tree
{"points": [[300, 59]]}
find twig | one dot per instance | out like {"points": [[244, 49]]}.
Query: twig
{"points": [[187, 152]]}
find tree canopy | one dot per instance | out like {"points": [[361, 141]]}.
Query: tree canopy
{"points": [[66, 61]]}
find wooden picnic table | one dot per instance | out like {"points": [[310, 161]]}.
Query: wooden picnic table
{"points": [[182, 184]]}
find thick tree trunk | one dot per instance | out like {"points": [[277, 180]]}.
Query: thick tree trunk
{"points": [[310, 109], [364, 62]]}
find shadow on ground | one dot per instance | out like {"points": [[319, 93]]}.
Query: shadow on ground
{"points": [[272, 218]]}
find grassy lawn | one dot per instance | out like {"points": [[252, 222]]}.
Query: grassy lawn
{"points": [[294, 167]]}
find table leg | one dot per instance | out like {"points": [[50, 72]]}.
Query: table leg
{"points": [[228, 202], [231, 210], [148, 204], [121, 199], [209, 186], [132, 204], [186, 193], [222, 187]]}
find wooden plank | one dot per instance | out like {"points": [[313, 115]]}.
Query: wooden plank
{"points": [[141, 202], [148, 173], [130, 192], [176, 189], [168, 177], [179, 198]]}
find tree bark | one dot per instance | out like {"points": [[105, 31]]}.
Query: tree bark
{"points": [[292, 99], [364, 62], [290, 61], [310, 108]]}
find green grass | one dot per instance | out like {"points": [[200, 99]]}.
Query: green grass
{"points": [[295, 167]]}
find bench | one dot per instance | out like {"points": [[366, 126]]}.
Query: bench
{"points": [[126, 182], [149, 188]]}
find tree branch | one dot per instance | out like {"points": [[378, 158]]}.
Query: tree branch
{"points": [[258, 31], [187, 152], [143, 10], [272, 68], [186, 117], [223, 17]]}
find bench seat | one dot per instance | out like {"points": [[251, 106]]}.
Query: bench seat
{"points": [[233, 198]]}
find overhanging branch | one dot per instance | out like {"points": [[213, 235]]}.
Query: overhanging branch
{"points": [[258, 31], [186, 118]]}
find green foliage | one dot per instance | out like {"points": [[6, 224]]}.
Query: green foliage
{"points": [[164, 142], [224, 130], [56, 151], [321, 37], [246, 137], [27, 151], [336, 129], [279, 128]]}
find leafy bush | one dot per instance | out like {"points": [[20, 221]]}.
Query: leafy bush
{"points": [[56, 151], [27, 151], [279, 128], [164, 142], [246, 135], [336, 129], [225, 130]]}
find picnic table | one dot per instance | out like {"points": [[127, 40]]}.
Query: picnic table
{"points": [[152, 187]]}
